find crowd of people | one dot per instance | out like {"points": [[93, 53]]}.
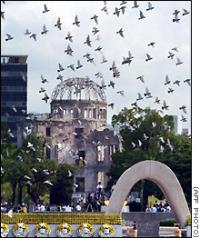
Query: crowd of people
{"points": [[92, 203], [158, 207], [6, 207]]}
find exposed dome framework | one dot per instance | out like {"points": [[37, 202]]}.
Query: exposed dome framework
{"points": [[78, 88]]}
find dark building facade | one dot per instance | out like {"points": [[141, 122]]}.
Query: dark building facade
{"points": [[13, 92]]}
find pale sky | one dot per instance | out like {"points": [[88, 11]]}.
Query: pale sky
{"points": [[45, 54]]}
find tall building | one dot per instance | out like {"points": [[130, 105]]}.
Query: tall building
{"points": [[185, 131], [175, 120], [13, 92]]}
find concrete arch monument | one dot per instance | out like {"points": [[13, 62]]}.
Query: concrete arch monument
{"points": [[162, 176]]}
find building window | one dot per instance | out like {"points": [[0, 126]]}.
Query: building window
{"points": [[78, 132], [48, 131], [80, 181], [100, 151], [71, 112], [90, 113], [112, 151], [94, 113], [100, 177], [81, 155], [85, 113], [104, 113]]}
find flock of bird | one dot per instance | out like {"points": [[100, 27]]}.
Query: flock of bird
{"points": [[121, 10], [127, 60]]}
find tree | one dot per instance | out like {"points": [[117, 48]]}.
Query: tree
{"points": [[146, 135], [27, 166], [61, 192]]}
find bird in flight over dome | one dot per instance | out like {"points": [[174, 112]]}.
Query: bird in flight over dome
{"points": [[121, 92], [43, 80], [183, 119], [148, 57], [27, 32], [120, 32], [71, 66], [99, 75], [76, 21], [141, 78], [176, 12], [135, 4], [183, 108], [45, 8], [157, 100], [111, 105], [60, 68], [141, 15], [88, 41], [170, 90], [104, 60], [176, 19], [164, 107], [42, 90], [45, 98], [177, 82], [87, 55], [95, 30], [187, 81], [95, 18], [105, 9], [116, 12], [139, 97], [123, 3], [147, 93], [122, 8], [44, 30], [9, 37], [179, 62], [34, 36], [91, 60], [60, 77], [69, 37], [111, 84], [185, 12], [150, 7], [126, 60], [151, 44], [99, 48], [171, 55], [58, 23], [167, 81], [2, 15], [69, 50], [79, 65], [175, 49]]}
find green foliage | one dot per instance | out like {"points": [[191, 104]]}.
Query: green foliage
{"points": [[146, 135], [63, 186], [25, 170]]}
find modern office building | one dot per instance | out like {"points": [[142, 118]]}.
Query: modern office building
{"points": [[175, 120], [185, 132], [13, 92]]}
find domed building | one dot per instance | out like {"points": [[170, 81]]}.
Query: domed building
{"points": [[77, 128]]}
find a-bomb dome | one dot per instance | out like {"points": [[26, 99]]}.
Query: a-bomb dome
{"points": [[79, 89]]}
